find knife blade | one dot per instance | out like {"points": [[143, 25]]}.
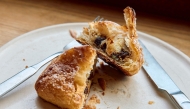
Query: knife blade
{"points": [[162, 79]]}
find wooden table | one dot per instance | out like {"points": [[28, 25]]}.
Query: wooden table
{"points": [[20, 16]]}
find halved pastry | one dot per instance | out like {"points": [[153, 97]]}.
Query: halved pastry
{"points": [[115, 44], [66, 80]]}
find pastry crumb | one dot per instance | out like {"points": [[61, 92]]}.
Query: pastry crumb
{"points": [[102, 64], [23, 59], [118, 107], [151, 102], [114, 91], [92, 102], [102, 83], [103, 93], [26, 66]]}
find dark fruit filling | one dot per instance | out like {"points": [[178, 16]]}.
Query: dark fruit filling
{"points": [[120, 55], [99, 40], [103, 46]]}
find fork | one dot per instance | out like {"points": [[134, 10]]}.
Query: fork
{"points": [[25, 74]]}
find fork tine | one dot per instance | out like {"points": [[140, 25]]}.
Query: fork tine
{"points": [[101, 19], [97, 18]]}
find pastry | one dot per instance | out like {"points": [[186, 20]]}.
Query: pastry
{"points": [[115, 44], [66, 80]]}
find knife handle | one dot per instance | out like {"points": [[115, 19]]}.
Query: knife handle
{"points": [[181, 99]]}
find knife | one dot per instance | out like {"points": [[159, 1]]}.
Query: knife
{"points": [[163, 81]]}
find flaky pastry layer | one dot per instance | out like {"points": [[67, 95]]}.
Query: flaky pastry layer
{"points": [[65, 81], [115, 44]]}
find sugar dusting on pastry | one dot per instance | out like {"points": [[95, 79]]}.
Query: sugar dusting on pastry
{"points": [[65, 80]]}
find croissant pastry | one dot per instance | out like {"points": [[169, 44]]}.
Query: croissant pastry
{"points": [[115, 44], [66, 80]]}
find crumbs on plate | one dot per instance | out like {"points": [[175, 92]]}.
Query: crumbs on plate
{"points": [[102, 83], [92, 102], [151, 102]]}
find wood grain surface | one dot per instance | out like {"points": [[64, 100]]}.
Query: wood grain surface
{"points": [[20, 16]]}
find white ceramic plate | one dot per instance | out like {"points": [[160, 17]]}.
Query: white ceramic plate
{"points": [[124, 92]]}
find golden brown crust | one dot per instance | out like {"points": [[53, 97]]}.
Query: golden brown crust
{"points": [[64, 81], [117, 39]]}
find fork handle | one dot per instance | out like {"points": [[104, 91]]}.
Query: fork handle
{"points": [[23, 75], [16, 80]]}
